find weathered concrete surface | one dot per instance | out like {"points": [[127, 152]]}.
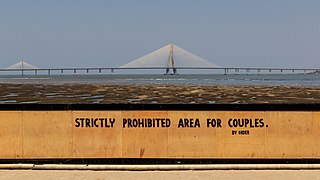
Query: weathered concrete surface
{"points": [[163, 175]]}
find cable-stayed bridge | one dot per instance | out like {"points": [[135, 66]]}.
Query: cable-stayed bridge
{"points": [[209, 70], [120, 70], [168, 58]]}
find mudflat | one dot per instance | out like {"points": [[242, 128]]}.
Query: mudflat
{"points": [[148, 94]]}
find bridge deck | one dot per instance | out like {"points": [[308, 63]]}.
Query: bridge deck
{"points": [[218, 70]]}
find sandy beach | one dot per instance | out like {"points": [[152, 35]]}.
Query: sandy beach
{"points": [[147, 94]]}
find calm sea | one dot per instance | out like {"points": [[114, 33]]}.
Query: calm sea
{"points": [[182, 79]]}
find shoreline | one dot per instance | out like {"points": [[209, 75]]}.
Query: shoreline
{"points": [[85, 93]]}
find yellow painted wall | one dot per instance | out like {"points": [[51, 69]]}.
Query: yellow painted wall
{"points": [[53, 134]]}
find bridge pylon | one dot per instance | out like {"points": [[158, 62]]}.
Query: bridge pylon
{"points": [[170, 57], [171, 63]]}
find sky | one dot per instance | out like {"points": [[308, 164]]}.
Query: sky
{"points": [[110, 33]]}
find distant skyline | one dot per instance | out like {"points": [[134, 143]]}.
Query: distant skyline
{"points": [[100, 33]]}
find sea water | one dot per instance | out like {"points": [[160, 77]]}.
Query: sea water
{"points": [[181, 79]]}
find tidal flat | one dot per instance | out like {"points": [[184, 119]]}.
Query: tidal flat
{"points": [[155, 94]]}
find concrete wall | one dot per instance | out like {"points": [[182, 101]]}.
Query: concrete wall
{"points": [[108, 134]]}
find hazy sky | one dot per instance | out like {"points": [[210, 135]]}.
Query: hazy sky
{"points": [[109, 33]]}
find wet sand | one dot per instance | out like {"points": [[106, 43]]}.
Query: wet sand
{"points": [[147, 94]]}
